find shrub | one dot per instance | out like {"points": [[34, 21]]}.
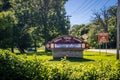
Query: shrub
{"points": [[14, 67]]}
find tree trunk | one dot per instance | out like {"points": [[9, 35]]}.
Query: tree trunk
{"points": [[12, 49], [20, 48], [35, 46]]}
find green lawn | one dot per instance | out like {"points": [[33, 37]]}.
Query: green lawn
{"points": [[89, 58]]}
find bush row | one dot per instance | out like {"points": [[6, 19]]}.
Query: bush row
{"points": [[14, 67]]}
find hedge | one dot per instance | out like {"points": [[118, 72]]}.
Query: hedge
{"points": [[14, 67]]}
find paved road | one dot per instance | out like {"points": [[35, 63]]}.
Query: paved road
{"points": [[113, 51]]}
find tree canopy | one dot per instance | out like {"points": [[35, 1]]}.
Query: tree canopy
{"points": [[39, 21]]}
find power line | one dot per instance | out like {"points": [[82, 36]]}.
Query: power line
{"points": [[84, 9], [84, 4], [103, 5], [88, 8], [106, 2], [88, 11]]}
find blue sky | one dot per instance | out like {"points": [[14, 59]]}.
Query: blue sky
{"points": [[81, 11]]}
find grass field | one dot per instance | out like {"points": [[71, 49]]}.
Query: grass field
{"points": [[88, 58]]}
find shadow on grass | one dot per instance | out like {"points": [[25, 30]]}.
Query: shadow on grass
{"points": [[91, 55], [104, 54], [39, 53], [110, 55], [73, 59]]}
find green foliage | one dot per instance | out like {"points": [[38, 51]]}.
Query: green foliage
{"points": [[112, 31], [38, 20], [7, 22], [104, 21], [13, 67], [5, 5], [93, 37], [79, 30]]}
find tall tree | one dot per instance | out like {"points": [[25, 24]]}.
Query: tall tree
{"points": [[112, 26], [53, 18], [22, 29], [7, 22], [102, 19], [41, 15]]}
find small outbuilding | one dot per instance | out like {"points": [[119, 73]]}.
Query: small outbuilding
{"points": [[69, 46]]}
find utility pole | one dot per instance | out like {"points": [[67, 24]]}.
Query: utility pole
{"points": [[68, 17], [118, 30]]}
